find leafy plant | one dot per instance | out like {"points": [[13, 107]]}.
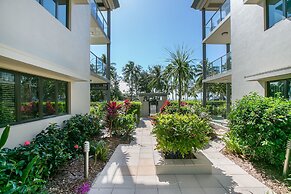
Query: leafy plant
{"points": [[100, 150], [260, 128], [4, 136], [125, 126], [80, 127], [181, 134], [112, 114], [25, 169]]}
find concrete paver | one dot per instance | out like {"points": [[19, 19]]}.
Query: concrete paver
{"points": [[131, 170]]}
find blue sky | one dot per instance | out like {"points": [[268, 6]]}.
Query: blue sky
{"points": [[143, 30]]}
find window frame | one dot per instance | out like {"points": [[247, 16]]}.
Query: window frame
{"points": [[268, 11], [286, 85], [56, 11], [17, 90]]}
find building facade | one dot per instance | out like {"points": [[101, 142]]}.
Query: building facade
{"points": [[256, 35], [45, 63]]}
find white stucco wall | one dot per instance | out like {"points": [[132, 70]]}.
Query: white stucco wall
{"points": [[255, 49], [33, 41]]}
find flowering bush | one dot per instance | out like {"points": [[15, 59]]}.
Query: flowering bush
{"points": [[84, 188], [25, 169], [26, 143]]}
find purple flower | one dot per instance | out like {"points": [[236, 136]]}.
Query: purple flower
{"points": [[84, 188]]}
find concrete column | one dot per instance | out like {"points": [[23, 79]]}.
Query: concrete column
{"points": [[108, 53], [204, 85], [228, 87], [228, 98]]}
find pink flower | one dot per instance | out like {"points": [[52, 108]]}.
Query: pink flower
{"points": [[27, 143], [76, 146]]}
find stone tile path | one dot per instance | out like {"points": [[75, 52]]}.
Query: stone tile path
{"points": [[131, 170]]}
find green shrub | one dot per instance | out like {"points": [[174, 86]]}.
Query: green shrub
{"points": [[25, 169], [80, 128], [99, 150], [260, 128], [187, 107], [135, 108], [125, 126], [181, 134]]}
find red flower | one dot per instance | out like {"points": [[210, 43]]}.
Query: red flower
{"points": [[127, 104], [27, 143], [76, 146], [183, 103]]}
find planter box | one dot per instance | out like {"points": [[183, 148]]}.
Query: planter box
{"points": [[200, 165]]}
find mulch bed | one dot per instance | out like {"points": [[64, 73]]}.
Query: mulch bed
{"points": [[267, 175], [71, 176]]}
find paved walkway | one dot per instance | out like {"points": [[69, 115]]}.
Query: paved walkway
{"points": [[131, 170]]}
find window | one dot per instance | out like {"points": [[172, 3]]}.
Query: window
{"points": [[7, 98], [62, 98], [277, 10], [49, 97], [25, 97], [281, 88], [58, 8], [29, 97]]}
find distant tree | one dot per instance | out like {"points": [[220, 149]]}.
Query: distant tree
{"points": [[131, 73], [180, 69], [156, 79], [115, 92], [144, 85]]}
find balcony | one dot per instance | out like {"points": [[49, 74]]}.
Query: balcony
{"points": [[252, 1], [97, 68], [99, 25], [219, 70], [217, 28]]}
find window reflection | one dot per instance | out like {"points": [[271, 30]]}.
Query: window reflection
{"points": [[49, 97], [275, 11], [29, 97], [7, 98], [50, 5], [62, 97]]}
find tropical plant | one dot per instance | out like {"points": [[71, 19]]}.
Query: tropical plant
{"points": [[112, 114], [143, 82], [100, 150], [4, 136], [180, 69], [156, 79], [131, 74]]}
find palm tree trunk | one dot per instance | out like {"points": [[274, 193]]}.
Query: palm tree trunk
{"points": [[180, 93]]}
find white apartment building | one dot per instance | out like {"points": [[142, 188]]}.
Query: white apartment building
{"points": [[257, 35], [46, 67]]}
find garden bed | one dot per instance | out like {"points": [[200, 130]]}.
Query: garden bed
{"points": [[268, 175], [199, 165], [71, 176]]}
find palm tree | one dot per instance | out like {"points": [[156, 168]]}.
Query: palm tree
{"points": [[198, 76], [131, 73], [156, 79], [180, 69]]}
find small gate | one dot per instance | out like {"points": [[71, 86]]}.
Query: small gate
{"points": [[153, 106], [151, 103]]}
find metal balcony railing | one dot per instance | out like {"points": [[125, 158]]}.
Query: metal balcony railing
{"points": [[97, 14], [96, 64], [217, 17], [219, 65]]}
